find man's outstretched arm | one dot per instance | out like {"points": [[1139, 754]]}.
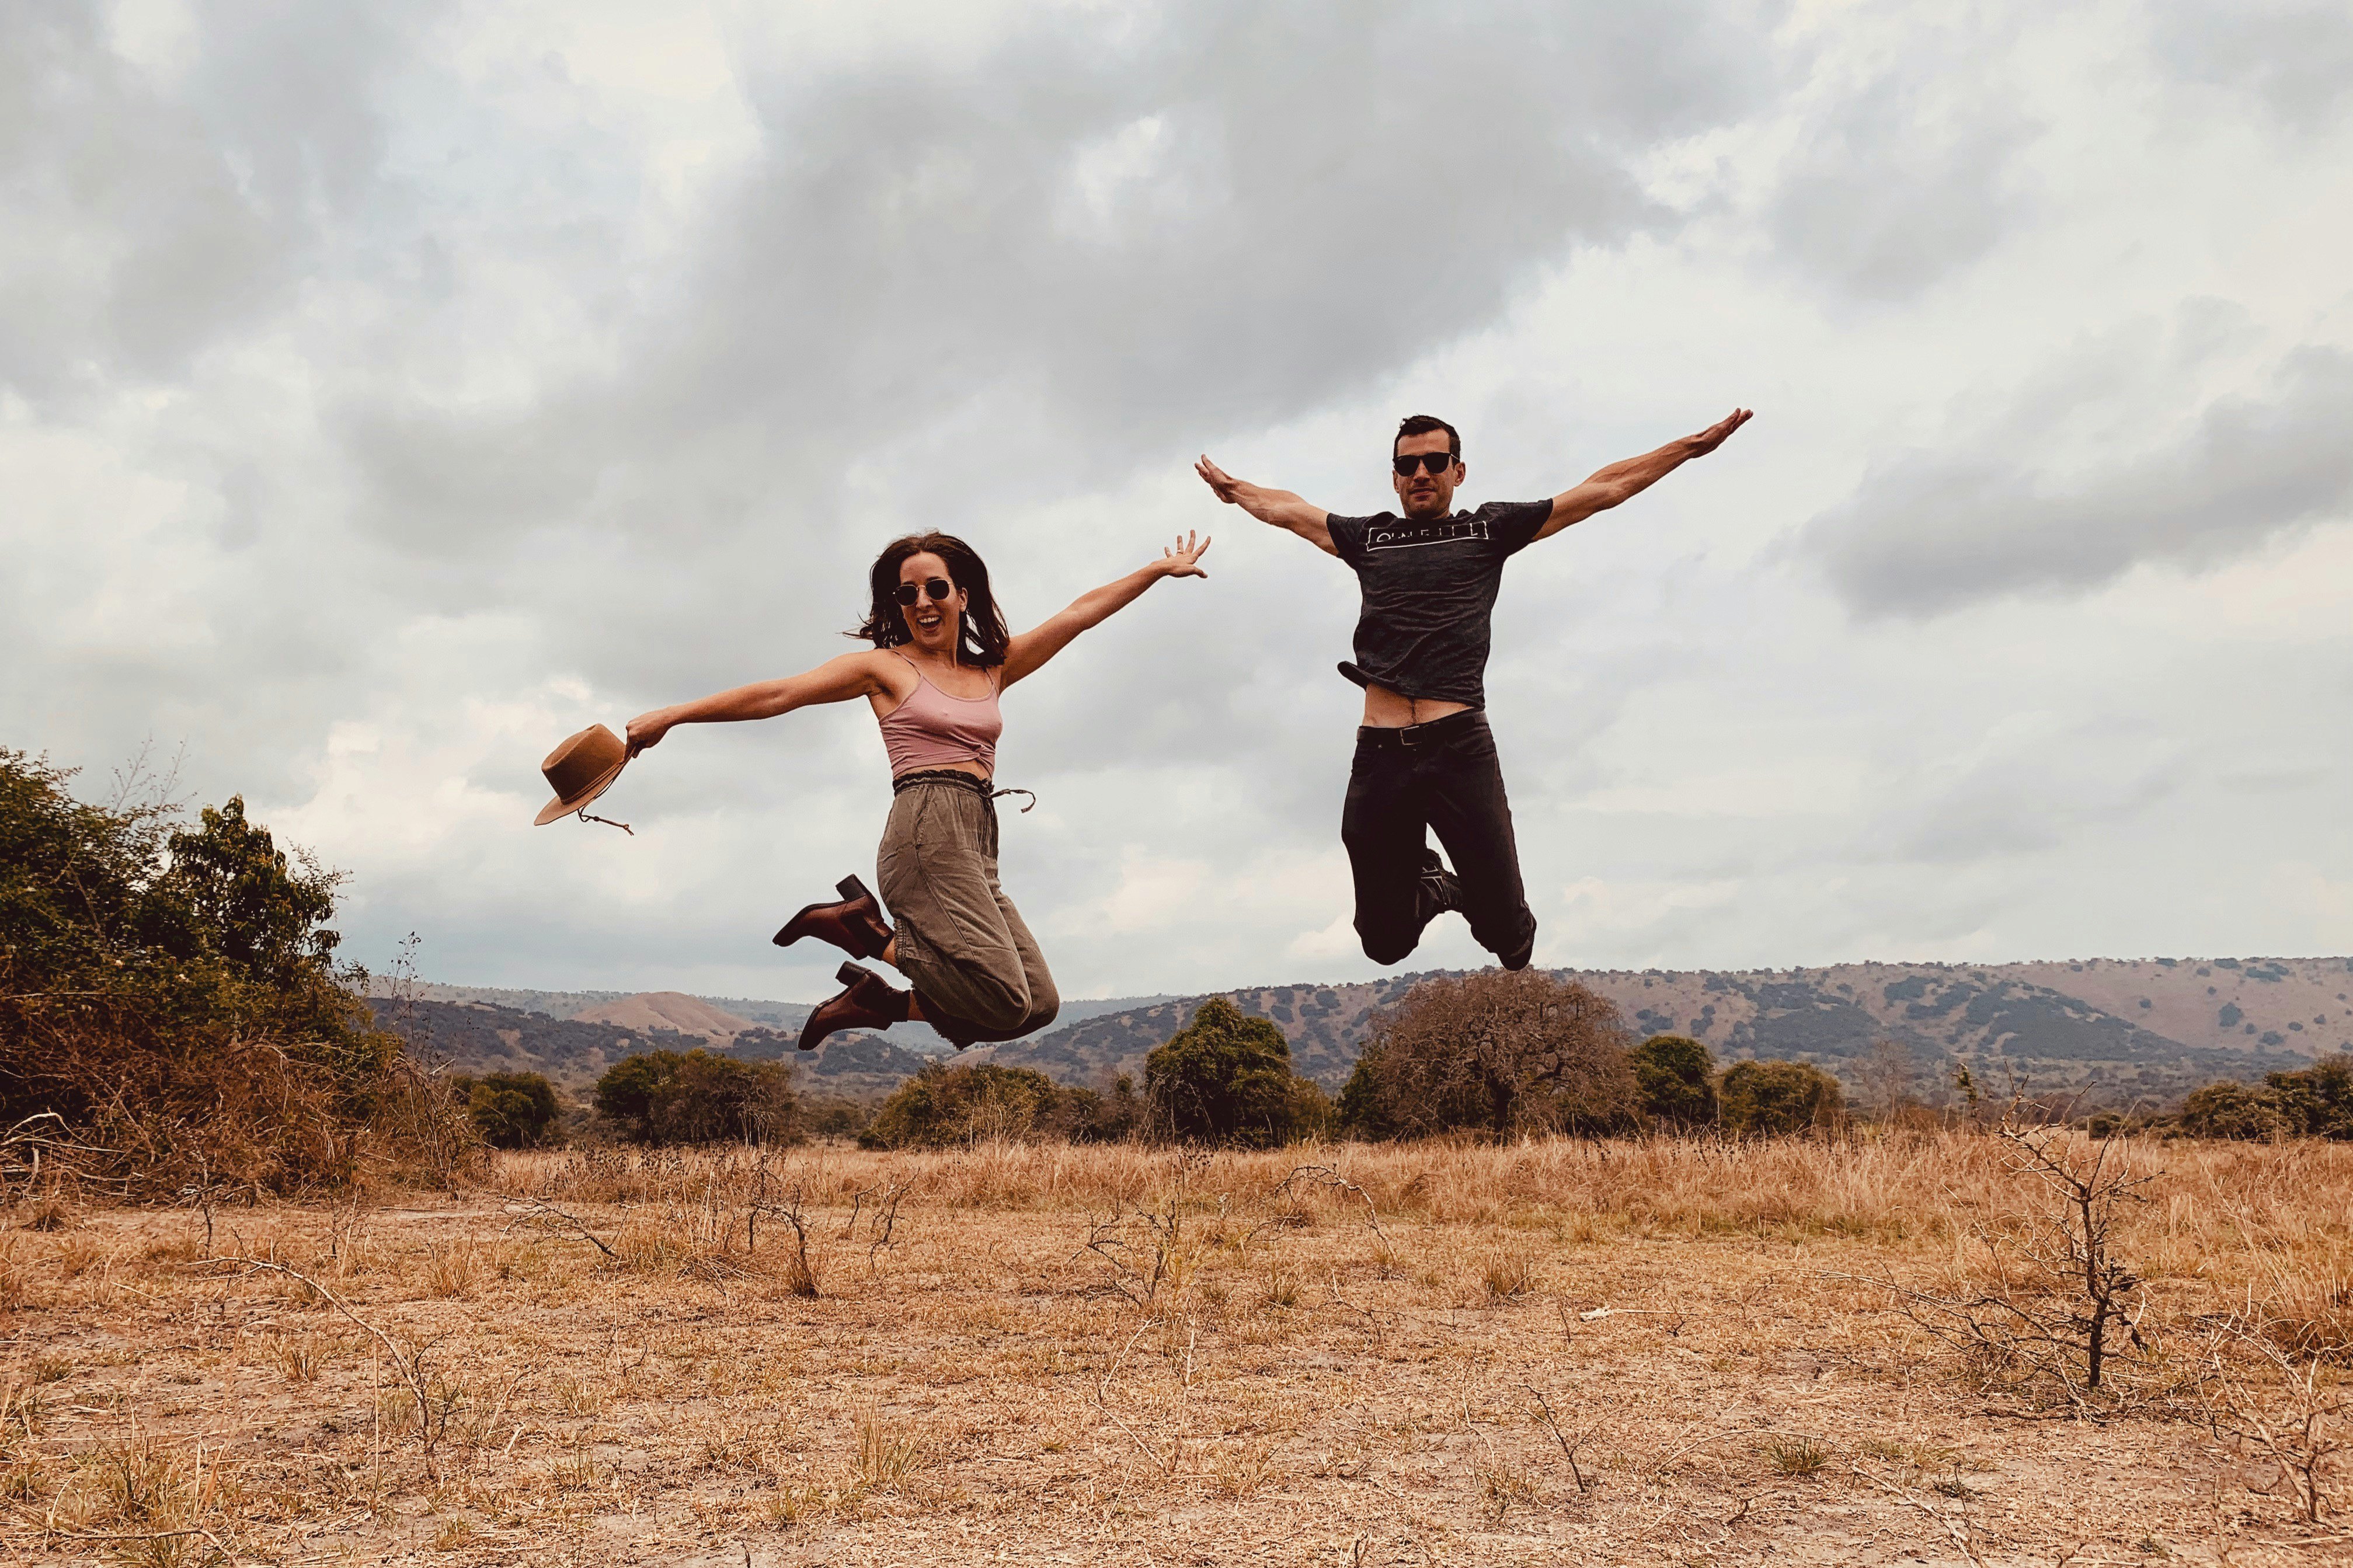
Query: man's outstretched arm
{"points": [[1620, 481], [1280, 508]]}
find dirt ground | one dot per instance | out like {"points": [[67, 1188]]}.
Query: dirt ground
{"points": [[1167, 1362]]}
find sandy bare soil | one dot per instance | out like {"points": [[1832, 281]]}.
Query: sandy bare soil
{"points": [[1561, 1352]]}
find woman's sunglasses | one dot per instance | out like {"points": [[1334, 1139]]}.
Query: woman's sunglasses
{"points": [[1427, 462], [939, 588]]}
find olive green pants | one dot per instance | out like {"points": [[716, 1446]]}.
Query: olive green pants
{"points": [[975, 968]]}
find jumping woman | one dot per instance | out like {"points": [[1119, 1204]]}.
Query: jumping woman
{"points": [[940, 661]]}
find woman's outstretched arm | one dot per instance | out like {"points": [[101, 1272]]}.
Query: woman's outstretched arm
{"points": [[1030, 652], [835, 680]]}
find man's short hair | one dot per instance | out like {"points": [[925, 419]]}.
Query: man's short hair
{"points": [[1423, 424]]}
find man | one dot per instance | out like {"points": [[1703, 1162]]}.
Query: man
{"points": [[1425, 758]]}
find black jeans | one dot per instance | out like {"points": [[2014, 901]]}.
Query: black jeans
{"points": [[1440, 776]]}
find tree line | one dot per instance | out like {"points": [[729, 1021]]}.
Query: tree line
{"points": [[1493, 1055]]}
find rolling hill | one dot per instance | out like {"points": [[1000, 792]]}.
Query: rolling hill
{"points": [[2092, 1026], [2115, 1029]]}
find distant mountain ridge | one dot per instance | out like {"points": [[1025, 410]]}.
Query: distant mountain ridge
{"points": [[2092, 1027], [2113, 1028]]}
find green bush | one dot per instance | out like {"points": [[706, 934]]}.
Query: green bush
{"points": [[1087, 1117], [509, 1110], [2318, 1101], [2231, 1111], [1775, 1099], [1226, 1077], [1675, 1078], [169, 990], [695, 1097], [943, 1106]]}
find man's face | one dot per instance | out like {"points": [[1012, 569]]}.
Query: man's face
{"points": [[1422, 494]]}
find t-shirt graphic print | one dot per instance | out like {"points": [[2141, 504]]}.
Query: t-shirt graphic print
{"points": [[1428, 591]]}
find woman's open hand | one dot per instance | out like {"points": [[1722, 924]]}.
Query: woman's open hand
{"points": [[1184, 558]]}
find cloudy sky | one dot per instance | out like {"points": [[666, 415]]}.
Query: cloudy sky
{"points": [[386, 391]]}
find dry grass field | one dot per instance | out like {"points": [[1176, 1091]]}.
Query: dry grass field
{"points": [[1654, 1351]]}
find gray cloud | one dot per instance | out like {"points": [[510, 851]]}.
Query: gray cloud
{"points": [[1896, 186], [1931, 531], [1083, 247], [145, 224], [2293, 57]]}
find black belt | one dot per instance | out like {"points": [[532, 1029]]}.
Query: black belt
{"points": [[1438, 731], [985, 788]]}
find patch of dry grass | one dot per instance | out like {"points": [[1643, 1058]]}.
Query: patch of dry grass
{"points": [[1632, 1351]]}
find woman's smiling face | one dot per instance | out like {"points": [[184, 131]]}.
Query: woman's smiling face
{"points": [[933, 624]]}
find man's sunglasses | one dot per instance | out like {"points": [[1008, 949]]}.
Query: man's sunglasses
{"points": [[939, 588], [1406, 463]]}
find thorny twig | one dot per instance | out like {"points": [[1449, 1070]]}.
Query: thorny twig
{"points": [[410, 1366], [1959, 1533], [1326, 1177], [539, 1207], [1102, 1394], [2304, 1439], [1567, 1449]]}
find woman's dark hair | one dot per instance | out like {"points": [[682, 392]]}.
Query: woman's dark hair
{"points": [[983, 636]]}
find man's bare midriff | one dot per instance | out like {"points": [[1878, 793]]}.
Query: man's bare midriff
{"points": [[1386, 709]]}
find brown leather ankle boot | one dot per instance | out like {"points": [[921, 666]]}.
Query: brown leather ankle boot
{"points": [[866, 1002], [855, 925]]}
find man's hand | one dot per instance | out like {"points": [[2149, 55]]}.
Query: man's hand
{"points": [[1714, 436], [1280, 508], [1231, 490], [1621, 481]]}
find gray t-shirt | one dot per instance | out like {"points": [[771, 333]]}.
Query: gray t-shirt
{"points": [[1429, 589]]}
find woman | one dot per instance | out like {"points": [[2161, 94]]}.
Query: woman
{"points": [[941, 659]]}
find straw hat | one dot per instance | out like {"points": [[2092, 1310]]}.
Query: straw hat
{"points": [[580, 770]]}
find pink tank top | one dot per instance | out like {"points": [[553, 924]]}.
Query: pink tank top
{"points": [[934, 730]]}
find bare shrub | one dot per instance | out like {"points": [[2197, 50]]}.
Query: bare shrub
{"points": [[2289, 1408], [1502, 1053], [2057, 1311]]}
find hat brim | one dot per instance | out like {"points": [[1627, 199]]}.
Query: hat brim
{"points": [[565, 806]]}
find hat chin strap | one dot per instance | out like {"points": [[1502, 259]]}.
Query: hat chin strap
{"points": [[586, 816]]}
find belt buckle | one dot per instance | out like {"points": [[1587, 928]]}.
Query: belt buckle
{"points": [[1405, 733]]}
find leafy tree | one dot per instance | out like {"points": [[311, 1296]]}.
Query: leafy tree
{"points": [[1500, 1052], [696, 1097], [170, 990], [1675, 1078], [2318, 1101], [1226, 1077], [630, 1088], [510, 1109], [1359, 1108], [1774, 1099]]}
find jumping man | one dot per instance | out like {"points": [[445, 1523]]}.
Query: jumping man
{"points": [[1425, 758]]}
